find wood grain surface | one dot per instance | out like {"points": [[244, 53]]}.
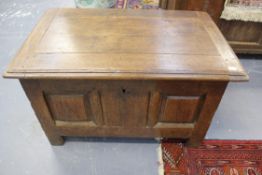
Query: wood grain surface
{"points": [[124, 108], [126, 44]]}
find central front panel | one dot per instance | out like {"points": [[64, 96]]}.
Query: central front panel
{"points": [[125, 107]]}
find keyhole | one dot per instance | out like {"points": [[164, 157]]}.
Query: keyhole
{"points": [[124, 90]]}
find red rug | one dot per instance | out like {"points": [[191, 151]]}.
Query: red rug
{"points": [[213, 157]]}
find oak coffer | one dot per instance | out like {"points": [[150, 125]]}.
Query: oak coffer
{"points": [[125, 73]]}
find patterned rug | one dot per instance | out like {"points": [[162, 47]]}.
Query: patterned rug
{"points": [[138, 4], [130, 4], [246, 3], [245, 10], [213, 157]]}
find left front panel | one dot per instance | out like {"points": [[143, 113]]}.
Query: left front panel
{"points": [[72, 102]]}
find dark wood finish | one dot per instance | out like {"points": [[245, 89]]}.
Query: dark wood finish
{"points": [[38, 103], [73, 43], [129, 108], [244, 37], [213, 8], [67, 107], [180, 108], [106, 73]]}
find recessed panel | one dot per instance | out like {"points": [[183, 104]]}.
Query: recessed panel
{"points": [[125, 108], [111, 108], [180, 109], [134, 109], [67, 107]]}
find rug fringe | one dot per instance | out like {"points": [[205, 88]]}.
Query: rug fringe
{"points": [[241, 13], [160, 160]]}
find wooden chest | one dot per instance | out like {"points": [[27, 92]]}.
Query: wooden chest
{"points": [[125, 73]]}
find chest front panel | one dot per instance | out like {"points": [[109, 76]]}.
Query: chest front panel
{"points": [[128, 108]]}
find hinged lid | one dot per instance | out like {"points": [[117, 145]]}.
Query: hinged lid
{"points": [[126, 44]]}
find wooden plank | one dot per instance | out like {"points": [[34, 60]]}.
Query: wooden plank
{"points": [[129, 44], [117, 63], [86, 129], [120, 25]]}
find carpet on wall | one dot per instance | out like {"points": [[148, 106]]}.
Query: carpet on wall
{"points": [[137, 4], [129, 4], [244, 10], [213, 157]]}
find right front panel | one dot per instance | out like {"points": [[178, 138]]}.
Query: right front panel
{"points": [[185, 104]]}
